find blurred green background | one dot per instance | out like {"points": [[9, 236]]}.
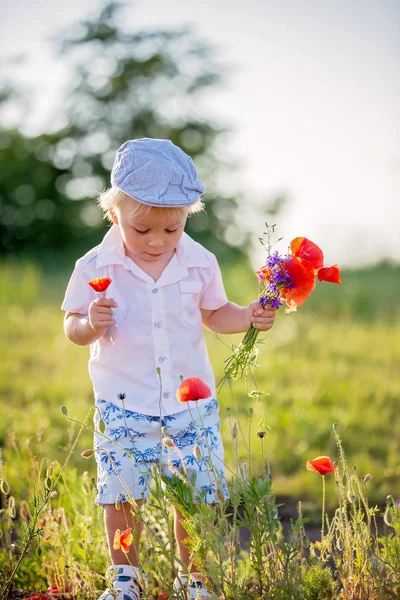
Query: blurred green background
{"points": [[336, 360]]}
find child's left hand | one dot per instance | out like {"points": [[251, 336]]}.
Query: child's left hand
{"points": [[261, 318]]}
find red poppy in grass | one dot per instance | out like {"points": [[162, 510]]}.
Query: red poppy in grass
{"points": [[307, 251], [123, 540], [193, 389], [100, 284], [303, 279], [331, 274], [322, 465], [53, 589]]}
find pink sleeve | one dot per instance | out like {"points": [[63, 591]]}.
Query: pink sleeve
{"points": [[213, 295], [79, 294]]}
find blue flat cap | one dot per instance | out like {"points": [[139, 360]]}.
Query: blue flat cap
{"points": [[157, 173]]}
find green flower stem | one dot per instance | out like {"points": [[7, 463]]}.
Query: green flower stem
{"points": [[242, 358], [323, 508]]}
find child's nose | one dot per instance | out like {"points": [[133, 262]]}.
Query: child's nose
{"points": [[156, 242]]}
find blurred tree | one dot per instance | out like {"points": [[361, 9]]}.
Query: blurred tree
{"points": [[128, 85]]}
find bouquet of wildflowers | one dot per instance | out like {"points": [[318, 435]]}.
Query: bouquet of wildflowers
{"points": [[288, 279]]}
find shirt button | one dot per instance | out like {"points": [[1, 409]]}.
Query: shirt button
{"points": [[161, 359], [165, 395], [157, 324], [154, 291]]}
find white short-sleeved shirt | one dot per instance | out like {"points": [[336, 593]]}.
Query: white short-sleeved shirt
{"points": [[158, 324]]}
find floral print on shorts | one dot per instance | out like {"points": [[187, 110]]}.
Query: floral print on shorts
{"points": [[132, 444]]}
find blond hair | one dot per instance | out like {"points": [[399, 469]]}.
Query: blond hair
{"points": [[115, 198]]}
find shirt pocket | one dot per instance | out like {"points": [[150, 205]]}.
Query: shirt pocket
{"points": [[190, 297]]}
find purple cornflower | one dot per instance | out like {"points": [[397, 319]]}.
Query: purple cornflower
{"points": [[274, 259], [276, 302]]}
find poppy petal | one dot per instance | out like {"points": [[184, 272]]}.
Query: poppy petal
{"points": [[331, 274], [321, 464], [117, 539], [307, 251], [193, 389], [303, 279], [100, 284]]}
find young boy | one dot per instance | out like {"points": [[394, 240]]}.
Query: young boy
{"points": [[147, 333]]}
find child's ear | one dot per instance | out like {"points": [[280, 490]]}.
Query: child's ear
{"points": [[113, 216]]}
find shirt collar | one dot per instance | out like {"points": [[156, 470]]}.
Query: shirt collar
{"points": [[112, 252]]}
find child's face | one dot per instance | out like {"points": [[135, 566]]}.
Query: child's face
{"points": [[150, 237]]}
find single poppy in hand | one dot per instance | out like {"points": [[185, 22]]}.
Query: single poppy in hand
{"points": [[100, 284]]}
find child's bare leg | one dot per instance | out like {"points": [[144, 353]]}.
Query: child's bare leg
{"points": [[123, 519]]}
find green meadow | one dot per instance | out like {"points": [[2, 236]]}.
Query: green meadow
{"points": [[337, 360]]}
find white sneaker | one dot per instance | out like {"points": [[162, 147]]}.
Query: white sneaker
{"points": [[190, 586], [125, 583]]}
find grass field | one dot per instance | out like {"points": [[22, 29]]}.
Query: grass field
{"points": [[337, 360]]}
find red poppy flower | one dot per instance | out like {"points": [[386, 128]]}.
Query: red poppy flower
{"points": [[100, 284], [322, 465], [307, 251], [263, 274], [123, 540], [331, 274], [53, 589], [303, 279], [193, 389]]}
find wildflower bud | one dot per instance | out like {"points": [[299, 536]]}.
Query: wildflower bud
{"points": [[122, 396], [339, 543], [4, 487], [164, 430], [234, 431], [229, 411], [158, 370], [250, 411], [351, 497], [168, 442], [87, 453], [39, 551], [53, 494], [389, 500], [388, 516], [366, 478], [24, 512], [118, 503], [197, 452], [48, 483], [261, 434], [64, 410], [101, 426], [12, 511]]}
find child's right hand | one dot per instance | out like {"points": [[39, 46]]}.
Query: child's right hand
{"points": [[100, 314]]}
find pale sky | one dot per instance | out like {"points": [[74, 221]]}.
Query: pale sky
{"points": [[313, 99]]}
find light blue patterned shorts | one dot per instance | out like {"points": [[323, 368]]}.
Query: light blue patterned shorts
{"points": [[132, 444]]}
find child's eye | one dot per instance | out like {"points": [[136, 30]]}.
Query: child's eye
{"points": [[138, 230], [172, 230]]}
